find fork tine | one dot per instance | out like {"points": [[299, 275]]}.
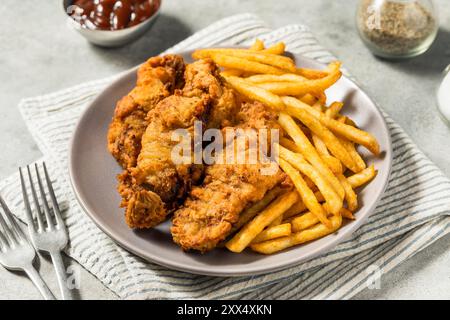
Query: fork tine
{"points": [[15, 229], [9, 236], [55, 205], [48, 216], [28, 213], [36, 202], [3, 242], [3, 237]]}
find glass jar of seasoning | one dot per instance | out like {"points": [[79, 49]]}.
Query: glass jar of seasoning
{"points": [[397, 28]]}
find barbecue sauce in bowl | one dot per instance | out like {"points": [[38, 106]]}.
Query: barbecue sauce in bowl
{"points": [[112, 14]]}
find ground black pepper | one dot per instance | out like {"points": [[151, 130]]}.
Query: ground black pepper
{"points": [[396, 27]]}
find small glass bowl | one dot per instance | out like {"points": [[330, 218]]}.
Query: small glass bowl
{"points": [[112, 38]]}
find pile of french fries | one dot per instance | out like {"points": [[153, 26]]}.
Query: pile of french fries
{"points": [[319, 152]]}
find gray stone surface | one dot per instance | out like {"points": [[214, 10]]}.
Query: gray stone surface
{"points": [[39, 54]]}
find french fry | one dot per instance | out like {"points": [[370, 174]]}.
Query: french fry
{"points": [[334, 109], [307, 219], [304, 221], [357, 159], [270, 233], [249, 232], [255, 93], [311, 73], [347, 214], [296, 160], [349, 132], [231, 72], [318, 106], [346, 120], [309, 152], [268, 59], [350, 122], [232, 62], [363, 177], [258, 45], [304, 87], [317, 128], [308, 99], [310, 183], [320, 146], [252, 211], [288, 220], [299, 88], [300, 207], [315, 232], [332, 163], [350, 195], [321, 97], [296, 209], [318, 143], [319, 196], [278, 48], [276, 222], [348, 145], [289, 144], [264, 78], [306, 194]]}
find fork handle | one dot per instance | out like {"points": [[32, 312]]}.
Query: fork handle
{"points": [[61, 275], [39, 283]]}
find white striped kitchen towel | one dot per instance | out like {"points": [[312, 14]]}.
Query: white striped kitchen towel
{"points": [[413, 213]]}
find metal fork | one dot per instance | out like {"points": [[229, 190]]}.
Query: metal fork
{"points": [[49, 234], [16, 253]]}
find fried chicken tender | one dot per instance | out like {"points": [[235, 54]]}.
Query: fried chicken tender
{"points": [[203, 77], [212, 208], [156, 79], [156, 185]]}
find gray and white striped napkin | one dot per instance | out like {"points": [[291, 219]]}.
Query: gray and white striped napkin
{"points": [[413, 213]]}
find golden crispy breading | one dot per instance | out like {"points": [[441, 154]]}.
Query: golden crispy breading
{"points": [[154, 165], [157, 78], [256, 115], [207, 216], [156, 186], [203, 76], [142, 207]]}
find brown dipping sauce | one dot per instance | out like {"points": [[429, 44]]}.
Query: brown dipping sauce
{"points": [[112, 14]]}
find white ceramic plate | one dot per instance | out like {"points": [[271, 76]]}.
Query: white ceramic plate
{"points": [[93, 175]]}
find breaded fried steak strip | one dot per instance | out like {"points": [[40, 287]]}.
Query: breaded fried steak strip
{"points": [[156, 79], [156, 185], [209, 213]]}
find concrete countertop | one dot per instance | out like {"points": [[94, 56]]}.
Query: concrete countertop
{"points": [[39, 54]]}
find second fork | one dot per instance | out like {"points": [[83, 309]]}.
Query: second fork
{"points": [[49, 233]]}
